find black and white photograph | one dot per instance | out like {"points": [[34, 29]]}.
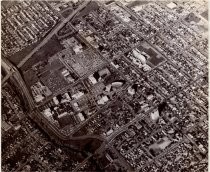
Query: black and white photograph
{"points": [[104, 85]]}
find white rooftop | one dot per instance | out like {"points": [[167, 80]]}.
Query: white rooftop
{"points": [[62, 115], [171, 5], [38, 98], [47, 112], [110, 132], [103, 100], [154, 115], [78, 95], [81, 117], [92, 79], [55, 100]]}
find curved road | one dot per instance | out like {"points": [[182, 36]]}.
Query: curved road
{"points": [[45, 40], [29, 100], [55, 30], [12, 71], [49, 128], [38, 117]]}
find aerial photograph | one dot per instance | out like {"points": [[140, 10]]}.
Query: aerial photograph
{"points": [[104, 86]]}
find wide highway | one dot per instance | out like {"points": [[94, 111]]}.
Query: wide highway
{"points": [[35, 114], [55, 30]]}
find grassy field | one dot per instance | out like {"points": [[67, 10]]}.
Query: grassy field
{"points": [[66, 13], [44, 53], [3, 72], [52, 47], [137, 3], [87, 145], [8, 4], [17, 57], [192, 17], [205, 14], [90, 7]]}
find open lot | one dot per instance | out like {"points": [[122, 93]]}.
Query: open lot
{"points": [[17, 57], [66, 12], [205, 14], [137, 3], [52, 47], [90, 7]]}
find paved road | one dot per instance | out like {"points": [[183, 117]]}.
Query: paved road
{"points": [[6, 66], [55, 30], [18, 78], [38, 117], [6, 78], [82, 163], [8, 69]]}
